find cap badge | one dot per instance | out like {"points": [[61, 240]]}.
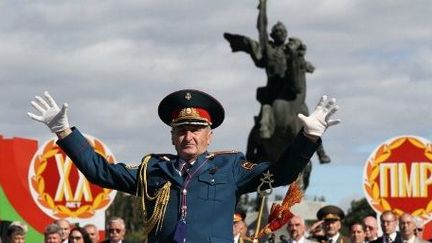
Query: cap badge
{"points": [[188, 96]]}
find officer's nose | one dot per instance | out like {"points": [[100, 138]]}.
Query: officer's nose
{"points": [[188, 135]]}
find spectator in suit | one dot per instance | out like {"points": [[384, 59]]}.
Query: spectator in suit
{"points": [[66, 228], [407, 227], [371, 230], [93, 232], [116, 231], [389, 224], [357, 232], [332, 217], [296, 229]]}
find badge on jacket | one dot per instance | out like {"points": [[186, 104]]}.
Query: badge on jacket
{"points": [[248, 165]]}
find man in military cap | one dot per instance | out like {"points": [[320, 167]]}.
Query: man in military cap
{"points": [[332, 217], [189, 196]]}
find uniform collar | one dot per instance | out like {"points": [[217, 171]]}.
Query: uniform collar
{"points": [[170, 167]]}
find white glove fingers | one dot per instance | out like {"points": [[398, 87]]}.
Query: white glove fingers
{"points": [[50, 99], [331, 102], [301, 117], [35, 117], [64, 108], [37, 106], [42, 103], [322, 101], [333, 122], [331, 111]]}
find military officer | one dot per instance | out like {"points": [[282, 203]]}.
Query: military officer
{"points": [[332, 217], [189, 196]]}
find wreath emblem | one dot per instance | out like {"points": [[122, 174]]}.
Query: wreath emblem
{"points": [[372, 172], [38, 183]]}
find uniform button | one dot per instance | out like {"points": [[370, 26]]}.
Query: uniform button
{"points": [[212, 181], [184, 191]]}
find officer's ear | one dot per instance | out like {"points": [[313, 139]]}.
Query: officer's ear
{"points": [[210, 136]]}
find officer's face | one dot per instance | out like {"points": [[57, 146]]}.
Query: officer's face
{"points": [[191, 141], [332, 227]]}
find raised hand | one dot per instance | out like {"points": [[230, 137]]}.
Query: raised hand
{"points": [[316, 123], [51, 115]]}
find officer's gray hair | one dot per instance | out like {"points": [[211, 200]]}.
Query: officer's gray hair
{"points": [[207, 127]]}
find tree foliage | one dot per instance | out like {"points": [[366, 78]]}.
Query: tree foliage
{"points": [[128, 208], [358, 210]]}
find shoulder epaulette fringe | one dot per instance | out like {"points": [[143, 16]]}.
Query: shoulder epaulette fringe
{"points": [[161, 198]]}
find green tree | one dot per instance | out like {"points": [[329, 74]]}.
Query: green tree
{"points": [[358, 210], [128, 208]]}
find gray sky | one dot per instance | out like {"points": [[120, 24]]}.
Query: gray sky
{"points": [[113, 61]]}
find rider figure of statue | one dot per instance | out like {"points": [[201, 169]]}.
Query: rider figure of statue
{"points": [[285, 67]]}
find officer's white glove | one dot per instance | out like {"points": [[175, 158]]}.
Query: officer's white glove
{"points": [[316, 123], [51, 115]]}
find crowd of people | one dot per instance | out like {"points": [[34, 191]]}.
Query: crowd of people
{"points": [[389, 228], [63, 231]]}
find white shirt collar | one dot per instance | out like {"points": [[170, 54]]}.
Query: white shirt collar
{"points": [[392, 236], [410, 240], [301, 240], [236, 238], [335, 237]]}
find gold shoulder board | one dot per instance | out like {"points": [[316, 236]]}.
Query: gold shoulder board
{"points": [[132, 166], [211, 155]]}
